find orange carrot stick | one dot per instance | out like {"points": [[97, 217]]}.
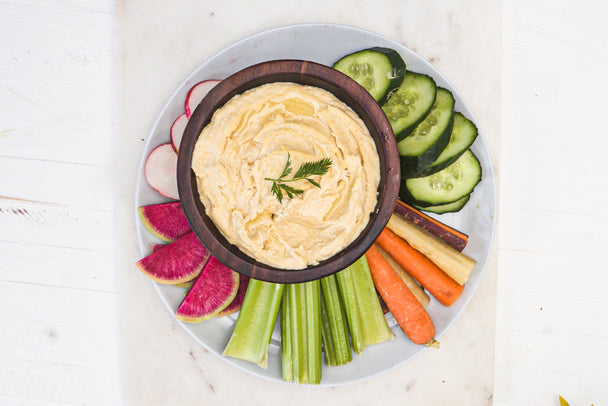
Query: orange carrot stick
{"points": [[403, 305], [410, 282], [431, 277]]}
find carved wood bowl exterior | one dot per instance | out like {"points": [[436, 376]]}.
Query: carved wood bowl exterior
{"points": [[306, 73]]}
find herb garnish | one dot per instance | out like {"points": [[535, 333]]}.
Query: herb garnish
{"points": [[304, 171]]}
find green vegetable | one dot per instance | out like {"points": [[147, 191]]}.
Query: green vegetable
{"points": [[409, 105], [426, 142], [313, 314], [446, 186], [334, 329], [253, 329], [301, 333], [464, 132], [447, 207], [304, 172], [286, 341], [378, 70], [363, 312]]}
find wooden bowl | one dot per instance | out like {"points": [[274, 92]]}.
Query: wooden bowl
{"points": [[307, 73]]}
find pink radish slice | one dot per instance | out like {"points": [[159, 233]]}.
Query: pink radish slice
{"points": [[178, 262], [177, 131], [156, 247], [161, 171], [213, 291], [197, 93], [166, 221], [237, 302]]}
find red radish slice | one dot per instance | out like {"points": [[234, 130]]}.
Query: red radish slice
{"points": [[213, 290], [178, 262], [166, 221], [177, 131], [236, 303], [161, 171], [156, 247], [197, 93]]}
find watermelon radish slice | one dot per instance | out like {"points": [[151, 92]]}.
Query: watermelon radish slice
{"points": [[184, 285], [178, 262], [213, 290], [197, 93], [236, 303], [177, 131], [156, 247], [161, 171], [166, 221]]}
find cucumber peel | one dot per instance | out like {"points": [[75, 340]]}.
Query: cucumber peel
{"points": [[378, 70], [446, 186], [430, 137]]}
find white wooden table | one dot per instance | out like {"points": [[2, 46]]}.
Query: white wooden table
{"points": [[551, 336], [58, 284], [79, 326]]}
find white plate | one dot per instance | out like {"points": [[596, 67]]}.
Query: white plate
{"points": [[324, 43]]}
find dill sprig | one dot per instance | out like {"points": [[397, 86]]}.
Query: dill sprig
{"points": [[307, 169]]}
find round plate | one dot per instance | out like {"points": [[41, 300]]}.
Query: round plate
{"points": [[325, 44]]}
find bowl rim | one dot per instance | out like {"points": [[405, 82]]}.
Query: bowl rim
{"points": [[298, 71]]}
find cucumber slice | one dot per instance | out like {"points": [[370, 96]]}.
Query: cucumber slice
{"points": [[446, 208], [464, 132], [409, 104], [426, 142], [446, 186], [378, 70]]}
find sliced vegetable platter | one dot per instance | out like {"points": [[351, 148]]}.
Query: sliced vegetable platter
{"points": [[324, 43]]}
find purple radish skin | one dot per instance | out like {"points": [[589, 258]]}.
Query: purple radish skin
{"points": [[213, 291], [178, 262], [161, 171], [166, 221], [177, 131], [197, 93]]}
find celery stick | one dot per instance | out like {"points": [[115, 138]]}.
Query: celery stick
{"points": [[366, 320], [329, 348], [347, 291], [253, 328], [286, 342], [313, 320], [334, 330], [304, 303], [375, 327], [297, 316]]}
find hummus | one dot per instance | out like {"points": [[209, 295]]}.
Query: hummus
{"points": [[249, 139]]}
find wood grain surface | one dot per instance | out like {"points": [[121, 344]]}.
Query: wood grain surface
{"points": [[552, 296], [58, 285]]}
